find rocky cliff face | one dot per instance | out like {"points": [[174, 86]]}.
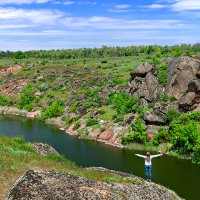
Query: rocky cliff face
{"points": [[183, 83], [51, 185]]}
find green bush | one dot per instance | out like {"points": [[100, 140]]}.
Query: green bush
{"points": [[54, 110], [177, 52], [27, 98], [5, 101], [122, 102], [171, 115], [162, 136], [184, 136], [137, 135], [91, 122], [155, 61], [118, 118], [162, 74], [196, 156]]}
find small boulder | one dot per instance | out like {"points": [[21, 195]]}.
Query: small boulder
{"points": [[106, 135], [154, 118], [152, 129], [34, 114], [187, 100], [72, 130], [142, 70], [43, 149], [194, 85]]}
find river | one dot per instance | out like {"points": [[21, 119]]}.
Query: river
{"points": [[179, 175]]}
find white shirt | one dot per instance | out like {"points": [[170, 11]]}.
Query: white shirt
{"points": [[148, 163]]}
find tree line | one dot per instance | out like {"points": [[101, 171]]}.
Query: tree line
{"points": [[104, 51]]}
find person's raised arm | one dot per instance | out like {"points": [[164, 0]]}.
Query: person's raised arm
{"points": [[142, 156], [154, 156]]}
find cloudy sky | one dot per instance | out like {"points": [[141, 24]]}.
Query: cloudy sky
{"points": [[56, 24]]}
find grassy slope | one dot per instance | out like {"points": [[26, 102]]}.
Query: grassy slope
{"points": [[67, 78], [17, 156]]}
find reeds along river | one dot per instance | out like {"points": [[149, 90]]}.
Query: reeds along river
{"points": [[179, 175]]}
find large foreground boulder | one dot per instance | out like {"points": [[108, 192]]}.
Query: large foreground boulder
{"points": [[43, 185]]}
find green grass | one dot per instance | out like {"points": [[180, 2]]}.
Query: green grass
{"points": [[109, 113], [17, 156]]}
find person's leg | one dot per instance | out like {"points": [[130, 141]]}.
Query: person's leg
{"points": [[150, 172], [147, 172]]}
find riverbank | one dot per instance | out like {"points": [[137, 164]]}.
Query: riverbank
{"points": [[57, 122], [29, 174], [110, 136]]}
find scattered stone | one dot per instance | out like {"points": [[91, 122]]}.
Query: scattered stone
{"points": [[106, 135], [142, 70], [10, 70], [129, 118], [71, 130], [57, 121], [152, 129], [154, 118], [12, 111], [187, 101], [44, 149], [93, 134], [33, 114]]}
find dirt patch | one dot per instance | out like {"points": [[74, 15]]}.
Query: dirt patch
{"points": [[10, 70]]}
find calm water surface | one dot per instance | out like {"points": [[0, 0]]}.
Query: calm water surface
{"points": [[179, 175]]}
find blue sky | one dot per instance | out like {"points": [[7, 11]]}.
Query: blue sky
{"points": [[58, 24]]}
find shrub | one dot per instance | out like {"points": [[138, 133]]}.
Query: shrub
{"points": [[137, 135], [122, 102], [184, 136], [162, 74], [118, 118], [91, 122], [54, 110], [162, 137], [196, 156], [27, 98], [155, 61], [171, 115], [177, 52], [5, 101]]}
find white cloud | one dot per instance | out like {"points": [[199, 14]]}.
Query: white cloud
{"points": [[67, 3], [186, 5], [40, 16], [118, 10], [122, 6], [3, 2], [156, 6], [182, 5], [56, 18], [99, 22]]}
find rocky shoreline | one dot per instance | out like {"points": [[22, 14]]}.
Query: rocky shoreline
{"points": [[110, 137]]}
